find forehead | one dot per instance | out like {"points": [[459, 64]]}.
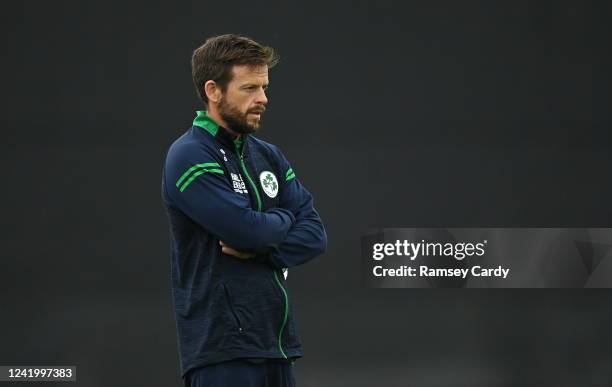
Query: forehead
{"points": [[250, 74]]}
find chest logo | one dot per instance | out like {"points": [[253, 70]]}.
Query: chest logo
{"points": [[269, 183], [238, 184], [223, 153]]}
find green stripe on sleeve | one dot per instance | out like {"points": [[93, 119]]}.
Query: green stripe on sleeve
{"points": [[290, 174], [198, 173], [197, 166]]}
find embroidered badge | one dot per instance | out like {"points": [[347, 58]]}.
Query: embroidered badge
{"points": [[269, 183]]}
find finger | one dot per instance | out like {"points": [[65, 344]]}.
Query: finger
{"points": [[238, 254], [229, 250]]}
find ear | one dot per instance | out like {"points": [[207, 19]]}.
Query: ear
{"points": [[212, 91]]}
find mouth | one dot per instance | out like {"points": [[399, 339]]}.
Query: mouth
{"points": [[257, 112]]}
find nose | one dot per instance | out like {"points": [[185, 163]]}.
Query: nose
{"points": [[261, 97]]}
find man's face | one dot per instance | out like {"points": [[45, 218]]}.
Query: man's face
{"points": [[244, 101]]}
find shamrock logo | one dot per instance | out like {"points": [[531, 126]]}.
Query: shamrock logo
{"points": [[269, 183]]}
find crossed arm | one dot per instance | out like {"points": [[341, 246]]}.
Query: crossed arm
{"points": [[305, 240], [288, 235]]}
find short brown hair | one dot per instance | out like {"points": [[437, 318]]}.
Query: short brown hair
{"points": [[215, 58]]}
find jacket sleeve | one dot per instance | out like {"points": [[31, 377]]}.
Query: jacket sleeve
{"points": [[307, 238], [195, 183]]}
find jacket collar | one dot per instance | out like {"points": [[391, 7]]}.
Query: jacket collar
{"points": [[203, 120]]}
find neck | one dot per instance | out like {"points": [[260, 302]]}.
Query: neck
{"points": [[213, 113]]}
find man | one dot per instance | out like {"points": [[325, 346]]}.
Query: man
{"points": [[238, 216]]}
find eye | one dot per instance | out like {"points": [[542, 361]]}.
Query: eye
{"points": [[253, 88]]}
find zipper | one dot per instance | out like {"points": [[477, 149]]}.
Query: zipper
{"points": [[280, 333], [231, 307], [259, 206], [248, 176]]}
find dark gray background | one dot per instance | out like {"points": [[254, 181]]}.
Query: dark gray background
{"points": [[429, 113]]}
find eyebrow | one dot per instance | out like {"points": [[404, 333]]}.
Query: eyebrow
{"points": [[247, 85]]}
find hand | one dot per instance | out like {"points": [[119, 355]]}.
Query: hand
{"points": [[227, 249]]}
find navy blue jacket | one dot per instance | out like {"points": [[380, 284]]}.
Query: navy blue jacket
{"points": [[245, 194]]}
